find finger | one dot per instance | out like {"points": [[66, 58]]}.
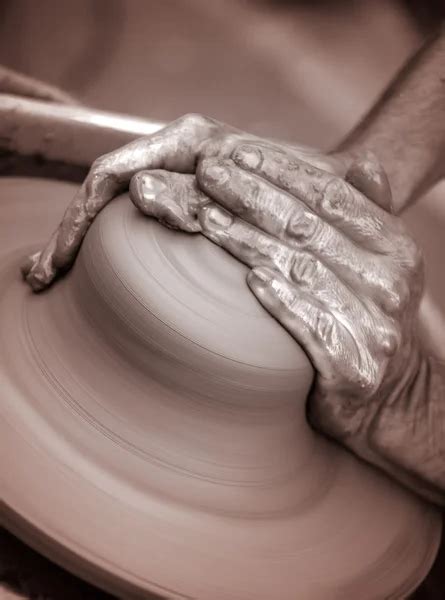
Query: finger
{"points": [[329, 346], [330, 197], [176, 147], [266, 206], [288, 219], [248, 196], [172, 198], [339, 357], [29, 263], [367, 175], [255, 249], [38, 269], [322, 284], [245, 242]]}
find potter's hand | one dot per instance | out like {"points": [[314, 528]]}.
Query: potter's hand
{"points": [[405, 129], [178, 147], [345, 279]]}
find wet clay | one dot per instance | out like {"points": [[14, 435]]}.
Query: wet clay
{"points": [[153, 424]]}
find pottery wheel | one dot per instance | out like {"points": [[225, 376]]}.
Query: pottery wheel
{"points": [[153, 433]]}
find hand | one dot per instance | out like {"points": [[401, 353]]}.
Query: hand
{"points": [[344, 277], [338, 272], [341, 274], [180, 147], [353, 324]]}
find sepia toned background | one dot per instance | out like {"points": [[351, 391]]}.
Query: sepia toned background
{"points": [[289, 69]]}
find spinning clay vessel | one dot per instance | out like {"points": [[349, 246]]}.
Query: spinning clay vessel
{"points": [[153, 433]]}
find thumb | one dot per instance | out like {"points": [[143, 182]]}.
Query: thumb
{"points": [[367, 175], [172, 198]]}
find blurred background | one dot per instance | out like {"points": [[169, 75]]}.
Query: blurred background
{"points": [[302, 71]]}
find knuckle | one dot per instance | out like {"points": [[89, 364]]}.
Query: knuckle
{"points": [[103, 168], [247, 155], [286, 297], [285, 174], [218, 140], [389, 339], [336, 196], [265, 250], [100, 165], [324, 326], [304, 268], [100, 175], [231, 139], [303, 227], [205, 164], [194, 121], [214, 171], [254, 195], [397, 295]]}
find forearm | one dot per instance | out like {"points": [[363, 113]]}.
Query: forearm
{"points": [[406, 436], [19, 84], [405, 129]]}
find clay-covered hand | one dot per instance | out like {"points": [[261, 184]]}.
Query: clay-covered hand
{"points": [[341, 274], [345, 278], [179, 147]]}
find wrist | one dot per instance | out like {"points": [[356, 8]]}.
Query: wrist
{"points": [[406, 435]]}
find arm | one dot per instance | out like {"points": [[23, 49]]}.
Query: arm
{"points": [[405, 129], [18, 84]]}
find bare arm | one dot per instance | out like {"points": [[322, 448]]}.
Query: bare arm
{"points": [[405, 129], [18, 84]]}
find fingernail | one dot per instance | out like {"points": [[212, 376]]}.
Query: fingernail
{"points": [[151, 186], [368, 176], [37, 281], [248, 157], [216, 173], [214, 218], [145, 187]]}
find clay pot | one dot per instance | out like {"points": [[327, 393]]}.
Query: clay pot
{"points": [[153, 424]]}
